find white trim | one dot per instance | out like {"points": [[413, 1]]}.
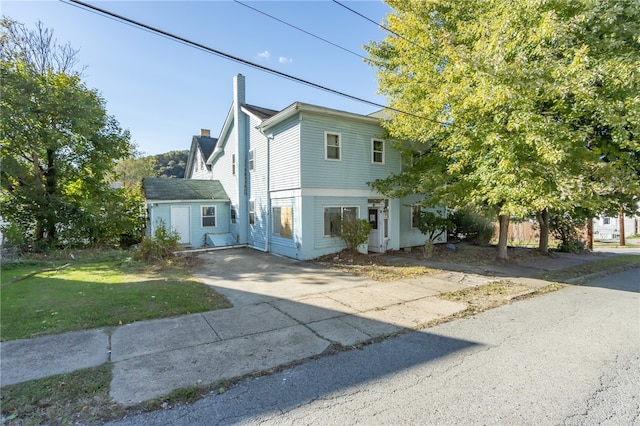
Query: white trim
{"points": [[215, 216], [339, 192], [208, 200], [296, 107], [326, 146], [373, 141]]}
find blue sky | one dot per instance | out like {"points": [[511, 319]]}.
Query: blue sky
{"points": [[164, 91]]}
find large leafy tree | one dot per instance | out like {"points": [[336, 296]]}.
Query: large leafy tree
{"points": [[504, 98], [58, 143]]}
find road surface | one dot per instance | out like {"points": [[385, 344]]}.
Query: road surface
{"points": [[569, 357]]}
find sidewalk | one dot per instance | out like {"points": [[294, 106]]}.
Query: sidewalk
{"points": [[263, 331]]}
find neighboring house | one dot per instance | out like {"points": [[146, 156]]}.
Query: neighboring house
{"points": [[197, 209], [291, 175], [201, 148], [608, 227]]}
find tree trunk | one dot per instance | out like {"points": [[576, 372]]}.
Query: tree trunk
{"points": [[590, 234], [503, 220], [51, 188], [543, 220], [621, 227]]}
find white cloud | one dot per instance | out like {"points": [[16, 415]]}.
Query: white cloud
{"points": [[285, 60], [264, 55]]}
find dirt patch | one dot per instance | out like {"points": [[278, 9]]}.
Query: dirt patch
{"points": [[466, 254], [374, 267]]}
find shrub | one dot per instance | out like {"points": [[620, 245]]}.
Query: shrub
{"points": [[434, 225], [472, 227], [160, 247], [354, 232], [565, 227]]}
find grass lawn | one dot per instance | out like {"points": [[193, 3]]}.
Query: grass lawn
{"points": [[96, 291]]}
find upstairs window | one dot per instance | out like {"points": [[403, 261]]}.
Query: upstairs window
{"points": [[208, 216], [377, 151], [415, 216], [233, 164], [332, 142], [606, 220], [251, 160]]}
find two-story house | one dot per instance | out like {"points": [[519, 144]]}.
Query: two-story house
{"points": [[291, 175]]}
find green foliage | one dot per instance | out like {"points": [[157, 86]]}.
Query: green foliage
{"points": [[171, 164], [131, 171], [160, 247], [520, 106], [472, 227], [434, 225], [58, 143], [568, 229], [354, 232]]}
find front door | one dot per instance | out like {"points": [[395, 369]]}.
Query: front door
{"points": [[375, 236], [181, 223]]}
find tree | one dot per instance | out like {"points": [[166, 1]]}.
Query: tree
{"points": [[501, 98], [131, 171], [58, 143]]}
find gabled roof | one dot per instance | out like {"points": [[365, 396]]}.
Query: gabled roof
{"points": [[298, 107], [204, 144], [183, 189], [259, 112]]}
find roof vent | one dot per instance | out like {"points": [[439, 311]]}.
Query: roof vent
{"points": [[205, 132]]}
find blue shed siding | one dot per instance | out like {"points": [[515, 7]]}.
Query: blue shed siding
{"points": [[354, 169], [162, 214]]}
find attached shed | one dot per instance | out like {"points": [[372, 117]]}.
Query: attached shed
{"points": [[199, 210]]}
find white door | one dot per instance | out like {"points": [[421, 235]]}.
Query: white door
{"points": [[375, 236], [180, 222]]}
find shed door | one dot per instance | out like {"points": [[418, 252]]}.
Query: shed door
{"points": [[180, 222]]}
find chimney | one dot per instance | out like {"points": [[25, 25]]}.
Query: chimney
{"points": [[205, 132]]}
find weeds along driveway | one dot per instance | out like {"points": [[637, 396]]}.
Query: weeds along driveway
{"points": [[247, 277]]}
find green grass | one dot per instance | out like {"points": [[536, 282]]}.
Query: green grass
{"points": [[605, 266], [81, 397], [96, 293]]}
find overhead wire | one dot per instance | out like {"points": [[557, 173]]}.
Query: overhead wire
{"points": [[194, 44]]}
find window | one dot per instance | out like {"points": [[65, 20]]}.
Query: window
{"points": [[332, 146], [251, 161], [415, 216], [234, 217], [377, 150], [208, 216], [252, 212], [606, 220], [333, 217], [282, 221], [233, 164]]}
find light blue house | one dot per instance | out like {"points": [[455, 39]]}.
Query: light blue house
{"points": [[290, 175]]}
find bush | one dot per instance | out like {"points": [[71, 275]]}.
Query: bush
{"points": [[472, 227], [160, 247], [354, 232], [565, 227]]}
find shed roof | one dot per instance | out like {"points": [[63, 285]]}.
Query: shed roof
{"points": [[183, 189]]}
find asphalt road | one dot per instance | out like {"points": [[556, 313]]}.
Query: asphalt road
{"points": [[568, 357]]}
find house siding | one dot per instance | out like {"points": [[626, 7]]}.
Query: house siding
{"points": [[199, 169], [222, 171], [161, 213], [354, 170], [285, 156], [257, 185]]}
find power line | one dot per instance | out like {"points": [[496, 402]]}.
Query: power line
{"points": [[301, 30], [228, 56]]}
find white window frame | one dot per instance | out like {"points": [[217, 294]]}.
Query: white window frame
{"points": [[416, 208], [374, 151], [606, 220], [252, 212], [338, 146], [342, 210], [202, 216], [233, 164], [233, 216], [252, 160], [277, 221]]}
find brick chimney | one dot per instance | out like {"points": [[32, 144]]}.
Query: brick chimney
{"points": [[205, 132]]}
